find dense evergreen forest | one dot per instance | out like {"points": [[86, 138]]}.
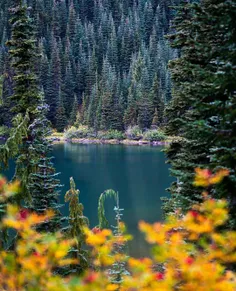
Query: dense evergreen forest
{"points": [[106, 59]]}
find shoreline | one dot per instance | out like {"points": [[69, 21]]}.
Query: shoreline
{"points": [[60, 140]]}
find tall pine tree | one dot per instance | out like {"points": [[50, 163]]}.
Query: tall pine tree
{"points": [[202, 111]]}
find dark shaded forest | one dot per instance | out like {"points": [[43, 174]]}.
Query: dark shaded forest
{"points": [[102, 62]]}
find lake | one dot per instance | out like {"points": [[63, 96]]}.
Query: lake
{"points": [[138, 173]]}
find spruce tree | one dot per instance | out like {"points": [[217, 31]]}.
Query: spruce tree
{"points": [[203, 106], [157, 100], [61, 121], [74, 111], [26, 95], [118, 269], [68, 87], [155, 120], [27, 142], [145, 111], [77, 222], [76, 36], [22, 49], [44, 184]]}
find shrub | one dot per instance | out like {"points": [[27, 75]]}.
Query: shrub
{"points": [[111, 134], [57, 134], [134, 133], [4, 130], [80, 132], [191, 252], [154, 135]]}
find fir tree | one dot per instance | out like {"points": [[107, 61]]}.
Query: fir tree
{"points": [[204, 97], [68, 90], [60, 114], [157, 100], [25, 98], [27, 142], [77, 222], [22, 51], [74, 39], [74, 111], [118, 269], [145, 111], [155, 120], [43, 183]]}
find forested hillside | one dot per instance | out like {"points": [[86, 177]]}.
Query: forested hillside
{"points": [[103, 62]]}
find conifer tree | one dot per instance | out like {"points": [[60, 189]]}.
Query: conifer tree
{"points": [[22, 51], [157, 100], [27, 142], [60, 114], [74, 38], [77, 222], [118, 269], [1, 89], [155, 120], [43, 183], [74, 111], [107, 110], [51, 95], [93, 106], [68, 90], [145, 111], [204, 97], [25, 98]]}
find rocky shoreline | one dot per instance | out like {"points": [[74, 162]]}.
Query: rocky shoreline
{"points": [[58, 140]]}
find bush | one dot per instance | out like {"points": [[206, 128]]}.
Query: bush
{"points": [[80, 132], [4, 130], [154, 135], [134, 133], [57, 134], [189, 250], [111, 134]]}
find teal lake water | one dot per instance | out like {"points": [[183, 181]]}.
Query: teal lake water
{"points": [[138, 173]]}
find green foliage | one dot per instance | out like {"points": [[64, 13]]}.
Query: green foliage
{"points": [[203, 106], [145, 112], [77, 223], [11, 148], [1, 89], [43, 182], [25, 98], [78, 132], [22, 53], [61, 121], [154, 135], [27, 142], [103, 222], [156, 119], [117, 269], [134, 133], [74, 111], [4, 131], [107, 53], [110, 134]]}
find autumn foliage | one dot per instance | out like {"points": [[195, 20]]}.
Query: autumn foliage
{"points": [[190, 252]]}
